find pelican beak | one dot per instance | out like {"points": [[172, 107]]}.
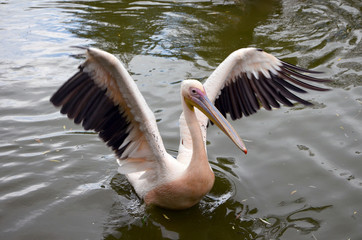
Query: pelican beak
{"points": [[202, 102]]}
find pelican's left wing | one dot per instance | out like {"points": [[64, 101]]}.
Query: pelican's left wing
{"points": [[103, 97], [249, 78]]}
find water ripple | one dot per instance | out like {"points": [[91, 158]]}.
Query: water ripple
{"points": [[22, 192]]}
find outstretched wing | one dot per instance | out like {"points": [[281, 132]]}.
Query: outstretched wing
{"points": [[103, 97], [250, 78]]}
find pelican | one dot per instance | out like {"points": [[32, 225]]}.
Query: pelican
{"points": [[103, 97]]}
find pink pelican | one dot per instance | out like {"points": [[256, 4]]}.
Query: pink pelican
{"points": [[103, 97]]}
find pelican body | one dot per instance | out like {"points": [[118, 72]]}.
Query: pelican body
{"points": [[104, 98]]}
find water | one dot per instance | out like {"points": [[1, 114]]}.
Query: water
{"points": [[302, 178]]}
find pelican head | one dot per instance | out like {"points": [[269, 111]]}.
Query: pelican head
{"points": [[194, 95]]}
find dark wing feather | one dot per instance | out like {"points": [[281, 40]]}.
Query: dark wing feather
{"points": [[97, 111], [244, 92], [103, 97]]}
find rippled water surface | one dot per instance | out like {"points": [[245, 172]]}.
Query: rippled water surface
{"points": [[302, 177]]}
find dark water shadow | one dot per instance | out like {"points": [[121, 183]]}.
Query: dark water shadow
{"points": [[183, 30]]}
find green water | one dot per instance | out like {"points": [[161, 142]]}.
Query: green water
{"points": [[301, 179]]}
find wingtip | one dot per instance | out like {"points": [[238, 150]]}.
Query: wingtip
{"points": [[297, 68]]}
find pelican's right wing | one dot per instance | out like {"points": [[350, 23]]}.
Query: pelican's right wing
{"points": [[103, 97]]}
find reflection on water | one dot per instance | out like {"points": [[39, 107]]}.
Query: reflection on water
{"points": [[60, 183], [303, 221], [185, 30]]}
